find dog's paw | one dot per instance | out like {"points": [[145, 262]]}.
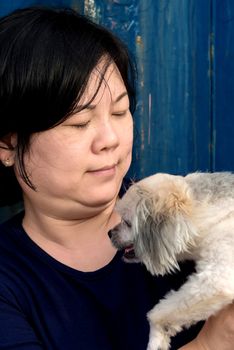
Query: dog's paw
{"points": [[159, 339]]}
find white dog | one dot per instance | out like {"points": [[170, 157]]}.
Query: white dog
{"points": [[166, 219]]}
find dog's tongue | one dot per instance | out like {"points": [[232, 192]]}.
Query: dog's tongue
{"points": [[128, 249], [129, 252]]}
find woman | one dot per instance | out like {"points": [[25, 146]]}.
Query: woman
{"points": [[66, 96]]}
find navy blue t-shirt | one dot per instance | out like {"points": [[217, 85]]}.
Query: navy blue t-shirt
{"points": [[45, 304]]}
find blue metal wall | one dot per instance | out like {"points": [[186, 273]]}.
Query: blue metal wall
{"points": [[185, 54]]}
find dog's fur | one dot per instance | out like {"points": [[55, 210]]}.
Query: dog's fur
{"points": [[168, 219]]}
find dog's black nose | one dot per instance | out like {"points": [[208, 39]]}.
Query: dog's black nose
{"points": [[110, 233]]}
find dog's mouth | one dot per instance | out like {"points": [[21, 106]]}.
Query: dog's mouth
{"points": [[129, 253]]}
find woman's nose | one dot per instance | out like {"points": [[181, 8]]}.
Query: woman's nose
{"points": [[107, 137]]}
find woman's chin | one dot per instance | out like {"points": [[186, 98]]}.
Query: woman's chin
{"points": [[100, 198], [101, 201]]}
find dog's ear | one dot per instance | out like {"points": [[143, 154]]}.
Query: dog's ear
{"points": [[164, 223]]}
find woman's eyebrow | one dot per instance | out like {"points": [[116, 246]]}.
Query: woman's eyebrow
{"points": [[93, 106], [120, 96]]}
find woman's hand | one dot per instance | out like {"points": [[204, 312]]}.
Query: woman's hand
{"points": [[217, 333]]}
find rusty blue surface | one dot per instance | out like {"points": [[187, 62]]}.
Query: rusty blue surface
{"points": [[175, 89]]}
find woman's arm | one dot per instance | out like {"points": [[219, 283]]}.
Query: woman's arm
{"points": [[216, 334]]}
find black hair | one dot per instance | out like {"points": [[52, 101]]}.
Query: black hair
{"points": [[46, 58]]}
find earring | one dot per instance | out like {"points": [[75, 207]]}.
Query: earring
{"points": [[7, 162]]}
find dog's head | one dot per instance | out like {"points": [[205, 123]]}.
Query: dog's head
{"points": [[157, 222]]}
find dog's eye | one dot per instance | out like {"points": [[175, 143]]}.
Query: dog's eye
{"points": [[127, 223]]}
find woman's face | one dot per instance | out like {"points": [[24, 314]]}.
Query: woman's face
{"points": [[80, 163]]}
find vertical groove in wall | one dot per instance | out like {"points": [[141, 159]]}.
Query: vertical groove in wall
{"points": [[212, 86]]}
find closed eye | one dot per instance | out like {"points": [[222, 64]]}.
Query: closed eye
{"points": [[120, 113], [127, 223], [81, 125]]}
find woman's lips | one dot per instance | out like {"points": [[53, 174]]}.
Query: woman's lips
{"points": [[105, 171]]}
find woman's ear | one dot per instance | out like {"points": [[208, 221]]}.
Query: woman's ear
{"points": [[7, 149]]}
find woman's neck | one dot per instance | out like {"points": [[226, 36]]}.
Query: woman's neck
{"points": [[82, 244]]}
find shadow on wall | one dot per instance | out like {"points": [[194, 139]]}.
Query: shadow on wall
{"points": [[9, 211]]}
